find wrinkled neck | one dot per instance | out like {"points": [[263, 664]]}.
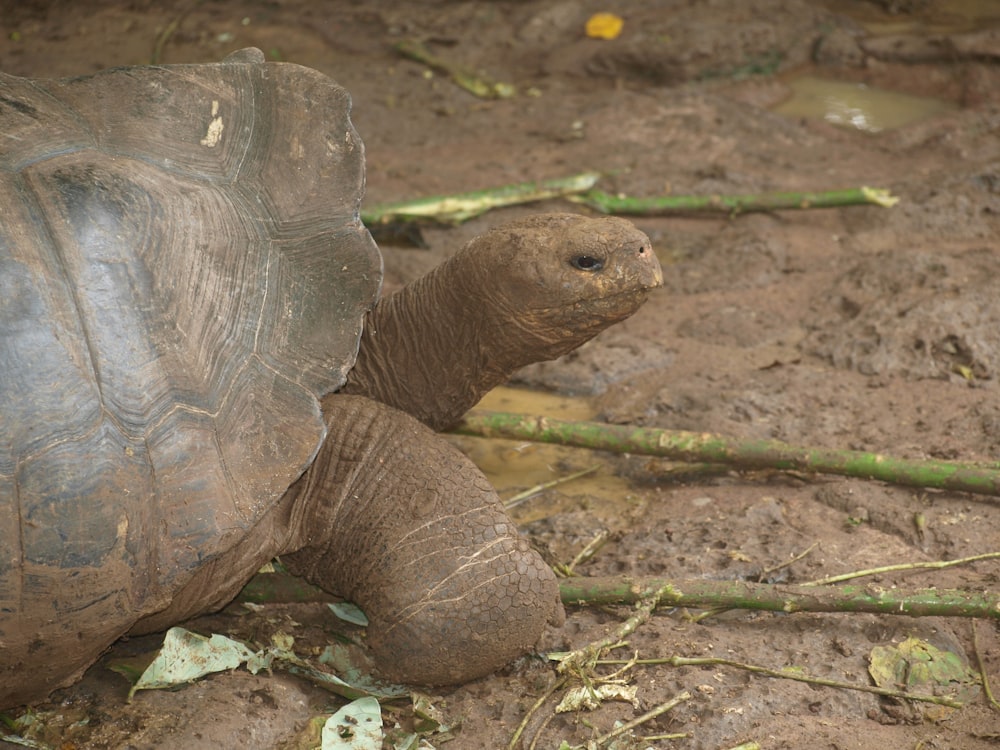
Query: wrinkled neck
{"points": [[437, 346]]}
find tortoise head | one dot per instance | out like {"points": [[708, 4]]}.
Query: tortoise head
{"points": [[523, 292], [553, 281]]}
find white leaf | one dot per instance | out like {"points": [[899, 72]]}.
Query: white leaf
{"points": [[186, 656], [357, 726], [349, 613], [591, 698]]}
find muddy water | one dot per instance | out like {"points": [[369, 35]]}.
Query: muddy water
{"points": [[514, 466], [856, 105], [938, 17]]}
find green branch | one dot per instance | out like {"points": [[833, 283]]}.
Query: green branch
{"points": [[732, 204], [454, 209], [739, 454], [707, 594]]}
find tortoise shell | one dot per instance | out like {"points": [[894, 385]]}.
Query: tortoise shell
{"points": [[183, 274]]}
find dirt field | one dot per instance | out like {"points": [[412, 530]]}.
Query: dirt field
{"points": [[858, 327]]}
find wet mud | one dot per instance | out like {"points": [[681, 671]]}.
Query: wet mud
{"points": [[862, 327]]}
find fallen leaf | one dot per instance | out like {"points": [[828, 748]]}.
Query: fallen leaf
{"points": [[604, 26], [591, 697], [356, 726], [917, 666], [186, 656]]}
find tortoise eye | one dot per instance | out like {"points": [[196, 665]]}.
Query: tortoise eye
{"points": [[587, 263]]}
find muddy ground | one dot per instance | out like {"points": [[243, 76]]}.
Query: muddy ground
{"points": [[859, 327]]}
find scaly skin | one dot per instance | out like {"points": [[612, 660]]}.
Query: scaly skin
{"points": [[395, 518], [400, 522], [404, 524], [413, 533], [511, 297]]}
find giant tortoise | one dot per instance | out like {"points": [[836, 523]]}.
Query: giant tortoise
{"points": [[184, 286]]}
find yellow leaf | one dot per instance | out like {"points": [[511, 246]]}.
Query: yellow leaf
{"points": [[965, 372], [604, 26]]}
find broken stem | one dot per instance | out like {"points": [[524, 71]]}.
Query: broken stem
{"points": [[477, 85], [454, 209], [739, 454]]}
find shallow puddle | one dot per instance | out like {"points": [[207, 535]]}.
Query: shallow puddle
{"points": [[856, 105], [937, 17], [515, 465]]}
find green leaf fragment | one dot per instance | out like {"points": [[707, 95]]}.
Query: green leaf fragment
{"points": [[349, 612], [426, 716], [917, 666]]}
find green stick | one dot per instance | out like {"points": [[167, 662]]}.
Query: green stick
{"points": [[741, 454], [477, 85], [700, 594], [706, 594], [454, 209], [732, 204]]}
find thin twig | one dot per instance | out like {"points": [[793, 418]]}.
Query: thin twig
{"points": [[515, 738], [599, 540], [932, 565], [541, 728], [672, 736], [164, 36], [791, 561], [683, 661], [640, 720], [475, 84], [520, 497], [984, 677]]}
